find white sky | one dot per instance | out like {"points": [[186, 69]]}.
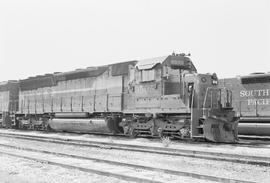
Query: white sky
{"points": [[229, 37]]}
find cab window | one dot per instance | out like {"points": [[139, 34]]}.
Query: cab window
{"points": [[147, 75]]}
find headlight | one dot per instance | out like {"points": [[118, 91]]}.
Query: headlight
{"points": [[214, 82]]}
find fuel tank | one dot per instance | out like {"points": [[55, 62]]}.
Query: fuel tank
{"points": [[80, 125], [254, 128]]}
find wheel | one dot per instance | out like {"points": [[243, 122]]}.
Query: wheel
{"points": [[133, 133]]}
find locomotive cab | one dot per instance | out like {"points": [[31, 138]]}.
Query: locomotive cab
{"points": [[169, 98], [215, 122]]}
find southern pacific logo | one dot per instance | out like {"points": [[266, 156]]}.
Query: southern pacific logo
{"points": [[256, 97]]}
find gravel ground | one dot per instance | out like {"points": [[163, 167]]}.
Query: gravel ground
{"points": [[17, 170], [200, 166], [154, 176], [207, 167]]}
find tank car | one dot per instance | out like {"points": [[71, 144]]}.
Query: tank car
{"points": [[163, 96], [251, 101]]}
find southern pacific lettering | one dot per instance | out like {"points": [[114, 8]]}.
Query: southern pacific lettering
{"points": [[251, 101], [255, 93]]}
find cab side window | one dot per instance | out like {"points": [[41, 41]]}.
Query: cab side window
{"points": [[147, 75]]}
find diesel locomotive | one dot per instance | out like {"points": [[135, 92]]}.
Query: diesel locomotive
{"points": [[163, 96], [251, 96]]}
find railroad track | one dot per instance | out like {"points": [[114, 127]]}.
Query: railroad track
{"points": [[253, 141], [245, 141], [109, 162], [234, 158], [69, 166]]}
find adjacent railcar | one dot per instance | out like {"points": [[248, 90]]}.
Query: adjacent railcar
{"points": [[251, 96], [9, 102]]}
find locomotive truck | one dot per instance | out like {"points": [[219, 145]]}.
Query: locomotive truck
{"points": [[251, 96], [163, 96]]}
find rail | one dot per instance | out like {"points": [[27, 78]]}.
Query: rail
{"points": [[234, 158], [114, 163]]}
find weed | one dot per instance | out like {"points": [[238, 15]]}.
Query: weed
{"points": [[166, 141]]}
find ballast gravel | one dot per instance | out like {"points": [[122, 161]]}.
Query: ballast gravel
{"points": [[207, 167]]}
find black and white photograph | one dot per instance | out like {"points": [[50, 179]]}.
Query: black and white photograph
{"points": [[134, 91]]}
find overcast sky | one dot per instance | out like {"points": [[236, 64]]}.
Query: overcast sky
{"points": [[229, 37]]}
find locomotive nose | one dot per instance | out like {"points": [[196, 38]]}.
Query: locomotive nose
{"points": [[220, 130]]}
